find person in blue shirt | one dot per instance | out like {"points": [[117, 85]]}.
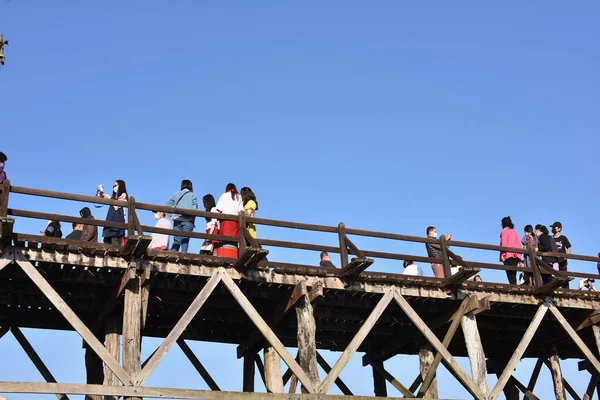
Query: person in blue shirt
{"points": [[183, 198]]}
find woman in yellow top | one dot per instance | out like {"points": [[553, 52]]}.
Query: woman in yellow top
{"points": [[250, 206]]}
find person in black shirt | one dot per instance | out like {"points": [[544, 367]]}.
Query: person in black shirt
{"points": [[326, 261], [562, 246], [76, 234], [53, 230], [545, 244]]}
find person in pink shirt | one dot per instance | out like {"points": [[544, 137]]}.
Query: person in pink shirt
{"points": [[510, 238]]}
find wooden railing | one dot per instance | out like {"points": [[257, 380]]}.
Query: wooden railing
{"points": [[248, 246]]}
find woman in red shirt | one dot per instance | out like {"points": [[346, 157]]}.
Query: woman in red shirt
{"points": [[510, 238]]}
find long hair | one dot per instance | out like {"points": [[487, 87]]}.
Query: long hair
{"points": [[507, 223], [247, 195], [231, 188], [542, 228], [187, 184], [122, 189], [209, 202], [528, 229]]}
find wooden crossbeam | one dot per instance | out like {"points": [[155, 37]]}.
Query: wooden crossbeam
{"points": [[355, 267], [535, 374], [449, 361], [262, 326], [178, 329], [35, 359], [72, 318], [357, 341], [377, 366], [261, 368], [353, 249], [142, 246], [113, 299], [516, 357], [338, 382], [198, 365], [428, 379], [461, 276], [526, 392]]}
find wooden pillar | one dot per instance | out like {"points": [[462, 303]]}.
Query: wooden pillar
{"points": [[425, 360], [132, 329], [112, 342], [475, 351], [273, 377], [307, 343], [249, 371], [94, 370], [557, 377], [379, 383], [596, 330]]}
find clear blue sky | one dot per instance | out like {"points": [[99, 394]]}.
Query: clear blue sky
{"points": [[386, 115]]}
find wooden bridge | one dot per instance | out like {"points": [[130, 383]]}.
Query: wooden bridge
{"points": [[113, 296]]}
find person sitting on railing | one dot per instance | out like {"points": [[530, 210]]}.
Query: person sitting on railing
{"points": [[562, 246], [212, 225], [326, 260], [3, 160], [546, 244], [52, 230], [183, 198], [435, 251], [230, 203], [89, 232], [410, 268], [510, 238], [160, 241], [250, 206], [115, 213], [529, 240], [76, 234]]}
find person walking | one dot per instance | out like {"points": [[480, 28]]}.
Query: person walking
{"points": [[510, 238], [183, 198], [115, 213]]}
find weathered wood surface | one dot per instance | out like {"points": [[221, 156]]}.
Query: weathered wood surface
{"points": [[307, 343], [273, 377], [553, 364], [132, 331], [475, 351], [198, 365], [112, 342], [379, 384], [338, 382], [426, 359], [379, 369]]}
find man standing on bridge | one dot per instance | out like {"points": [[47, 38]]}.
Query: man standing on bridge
{"points": [[562, 246]]}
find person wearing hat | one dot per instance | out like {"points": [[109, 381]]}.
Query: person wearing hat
{"points": [[89, 233], [562, 246]]}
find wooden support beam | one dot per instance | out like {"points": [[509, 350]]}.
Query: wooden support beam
{"points": [[273, 378], [6, 231], [249, 371], [198, 365], [596, 330], [35, 358], [381, 371], [594, 379], [449, 361], [575, 337], [379, 385], [428, 373], [338, 382], [307, 342], [535, 374], [71, 317], [3, 330], [181, 325], [356, 341], [145, 283], [553, 364], [426, 361], [266, 331], [527, 393], [112, 342], [113, 299], [516, 357], [355, 267], [475, 351], [261, 368], [343, 248], [445, 260], [132, 331], [152, 392], [466, 272], [571, 390]]}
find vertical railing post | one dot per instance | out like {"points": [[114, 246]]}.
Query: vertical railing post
{"points": [[241, 238], [537, 276], [131, 216], [5, 190], [343, 248], [445, 260]]}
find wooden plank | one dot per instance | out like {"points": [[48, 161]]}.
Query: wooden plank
{"points": [[145, 288], [596, 331], [343, 249], [355, 267], [266, 331], [338, 382], [113, 345], [527, 393], [553, 364], [132, 331], [458, 278], [522, 346], [575, 337], [449, 361], [181, 325], [273, 378], [198, 365], [142, 246], [445, 260], [307, 342], [35, 359], [475, 351], [72, 318], [378, 367], [249, 371], [356, 341], [152, 392]]}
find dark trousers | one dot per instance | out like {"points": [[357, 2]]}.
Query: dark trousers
{"points": [[562, 266], [512, 275]]}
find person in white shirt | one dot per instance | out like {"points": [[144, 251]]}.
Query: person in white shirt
{"points": [[230, 203], [410, 268], [160, 241]]}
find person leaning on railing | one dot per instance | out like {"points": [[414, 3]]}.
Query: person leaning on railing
{"points": [[230, 203], [183, 198], [89, 233], [115, 213], [528, 241], [546, 244], [510, 238], [212, 225], [435, 251]]}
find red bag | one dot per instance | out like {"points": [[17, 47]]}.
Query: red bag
{"points": [[123, 240]]}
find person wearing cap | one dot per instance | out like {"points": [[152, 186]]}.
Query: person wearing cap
{"points": [[562, 246], [89, 233], [160, 241], [587, 284]]}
